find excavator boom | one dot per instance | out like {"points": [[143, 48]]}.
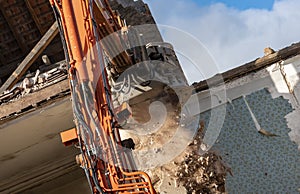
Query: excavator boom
{"points": [[109, 167]]}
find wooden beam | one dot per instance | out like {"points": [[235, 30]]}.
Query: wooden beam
{"points": [[34, 17], [10, 23], [30, 58], [1, 57], [249, 67]]}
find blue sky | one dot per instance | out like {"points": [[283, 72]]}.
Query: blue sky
{"points": [[239, 4], [234, 32]]}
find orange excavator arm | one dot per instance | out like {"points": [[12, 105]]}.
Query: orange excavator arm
{"points": [[109, 167]]}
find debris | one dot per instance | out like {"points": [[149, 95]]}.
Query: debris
{"points": [[27, 83], [266, 133], [202, 173], [35, 81], [10, 95], [268, 51], [46, 60]]}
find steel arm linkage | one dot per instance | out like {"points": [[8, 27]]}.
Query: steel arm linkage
{"points": [[109, 167]]}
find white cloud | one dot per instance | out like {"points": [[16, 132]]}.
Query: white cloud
{"points": [[232, 36]]}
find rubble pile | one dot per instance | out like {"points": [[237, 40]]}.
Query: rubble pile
{"points": [[190, 172], [45, 76], [204, 173]]}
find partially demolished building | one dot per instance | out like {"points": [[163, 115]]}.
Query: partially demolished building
{"points": [[256, 151]]}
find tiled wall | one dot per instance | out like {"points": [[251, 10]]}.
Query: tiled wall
{"points": [[259, 163]]}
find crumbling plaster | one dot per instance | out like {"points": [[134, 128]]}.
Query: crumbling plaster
{"points": [[270, 78]]}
